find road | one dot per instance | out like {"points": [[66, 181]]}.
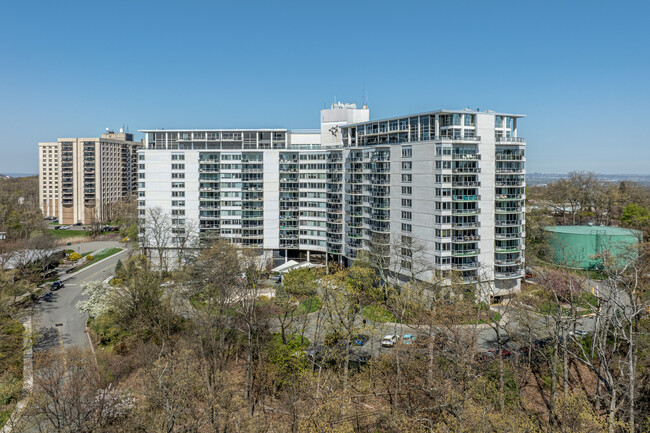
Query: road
{"points": [[57, 321]]}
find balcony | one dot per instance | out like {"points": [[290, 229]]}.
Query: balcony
{"points": [[509, 170], [502, 197], [509, 157], [466, 211], [465, 253], [515, 183], [505, 236], [509, 275], [508, 248], [465, 184], [466, 197], [509, 209], [465, 225], [466, 170], [514, 140], [471, 139], [508, 262], [465, 156], [508, 223], [464, 266], [460, 239]]}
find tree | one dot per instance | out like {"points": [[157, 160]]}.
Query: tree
{"points": [[156, 235], [212, 283]]}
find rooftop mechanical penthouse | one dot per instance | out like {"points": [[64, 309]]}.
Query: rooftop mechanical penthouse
{"points": [[423, 194]]}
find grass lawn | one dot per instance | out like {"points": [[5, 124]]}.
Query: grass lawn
{"points": [[276, 338], [309, 305], [378, 313], [102, 254], [60, 234]]}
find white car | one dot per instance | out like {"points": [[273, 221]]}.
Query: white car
{"points": [[578, 333], [389, 340]]}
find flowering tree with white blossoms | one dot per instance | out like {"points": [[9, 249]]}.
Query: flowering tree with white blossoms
{"points": [[98, 300]]}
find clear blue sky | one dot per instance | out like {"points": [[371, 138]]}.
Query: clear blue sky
{"points": [[580, 70]]}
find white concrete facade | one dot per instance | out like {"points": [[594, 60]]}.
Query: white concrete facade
{"points": [[424, 194]]}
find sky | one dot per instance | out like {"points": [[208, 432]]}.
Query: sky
{"points": [[579, 70]]}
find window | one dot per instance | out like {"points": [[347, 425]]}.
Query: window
{"points": [[407, 178], [178, 157], [141, 203], [178, 175], [443, 165], [406, 202], [178, 202], [406, 227], [178, 212], [406, 240], [178, 193], [407, 165], [178, 166], [407, 190], [469, 119], [140, 175], [498, 121], [140, 156], [407, 152], [178, 184], [407, 215]]}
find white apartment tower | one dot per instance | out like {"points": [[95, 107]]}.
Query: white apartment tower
{"points": [[424, 194]]}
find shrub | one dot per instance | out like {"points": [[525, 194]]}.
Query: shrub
{"points": [[89, 258], [69, 251], [74, 257]]}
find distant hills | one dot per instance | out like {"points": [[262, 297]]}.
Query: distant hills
{"points": [[545, 178], [11, 175]]}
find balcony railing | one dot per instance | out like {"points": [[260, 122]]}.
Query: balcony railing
{"points": [[458, 138], [515, 274], [510, 140], [508, 223], [464, 253], [466, 170]]}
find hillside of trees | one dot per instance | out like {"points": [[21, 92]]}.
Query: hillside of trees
{"points": [[215, 347]]}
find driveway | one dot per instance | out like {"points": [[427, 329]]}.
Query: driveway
{"points": [[57, 321]]}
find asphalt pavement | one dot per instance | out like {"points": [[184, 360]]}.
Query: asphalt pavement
{"points": [[57, 321]]}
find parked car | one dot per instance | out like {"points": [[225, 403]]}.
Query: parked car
{"points": [[57, 227], [579, 333], [389, 341], [529, 273], [57, 285], [64, 227], [78, 224]]}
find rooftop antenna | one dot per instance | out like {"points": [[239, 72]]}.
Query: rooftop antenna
{"points": [[364, 103]]}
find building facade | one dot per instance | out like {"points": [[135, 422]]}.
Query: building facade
{"points": [[423, 195], [79, 178]]}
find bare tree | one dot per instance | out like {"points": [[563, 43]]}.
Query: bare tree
{"points": [[156, 235]]}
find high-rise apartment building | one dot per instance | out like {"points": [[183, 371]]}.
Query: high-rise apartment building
{"points": [[423, 194], [79, 178]]}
